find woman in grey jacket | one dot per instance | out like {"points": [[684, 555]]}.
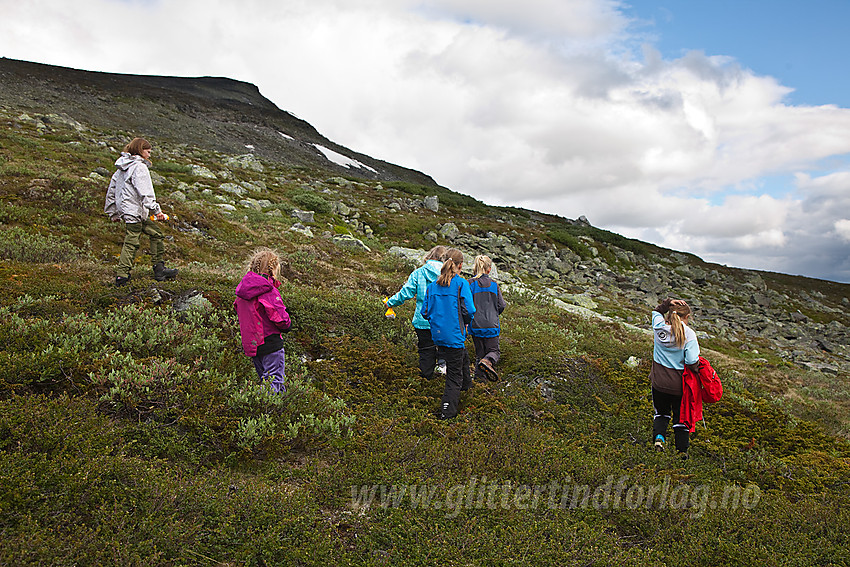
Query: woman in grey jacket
{"points": [[130, 198]]}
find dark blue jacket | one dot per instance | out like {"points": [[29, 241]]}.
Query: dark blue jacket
{"points": [[489, 304], [449, 309]]}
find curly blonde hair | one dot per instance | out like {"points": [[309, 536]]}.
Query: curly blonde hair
{"points": [[265, 261]]}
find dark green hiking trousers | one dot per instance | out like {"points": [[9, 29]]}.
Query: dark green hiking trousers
{"points": [[131, 245]]}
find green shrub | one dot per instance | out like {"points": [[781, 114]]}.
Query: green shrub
{"points": [[311, 201], [22, 246], [74, 195], [10, 212], [171, 167], [572, 242]]}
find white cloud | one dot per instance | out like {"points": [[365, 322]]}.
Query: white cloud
{"points": [[842, 227], [546, 104]]}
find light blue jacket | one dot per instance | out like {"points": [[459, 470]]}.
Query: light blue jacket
{"points": [[665, 352], [415, 286]]}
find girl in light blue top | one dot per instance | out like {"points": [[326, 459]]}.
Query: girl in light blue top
{"points": [[675, 345], [415, 286]]}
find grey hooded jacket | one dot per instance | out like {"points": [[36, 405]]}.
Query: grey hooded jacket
{"points": [[130, 196]]}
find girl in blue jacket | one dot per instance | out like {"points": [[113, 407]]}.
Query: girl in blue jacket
{"points": [[415, 286], [449, 309], [485, 329]]}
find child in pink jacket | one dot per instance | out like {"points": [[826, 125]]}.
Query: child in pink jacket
{"points": [[263, 317]]}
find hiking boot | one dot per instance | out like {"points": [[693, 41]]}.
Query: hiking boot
{"points": [[161, 273], [119, 280], [487, 366], [659, 442]]}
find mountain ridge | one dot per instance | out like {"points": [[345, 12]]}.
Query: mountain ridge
{"points": [[224, 114]]}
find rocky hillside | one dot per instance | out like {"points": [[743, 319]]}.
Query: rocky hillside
{"points": [[772, 318], [126, 409]]}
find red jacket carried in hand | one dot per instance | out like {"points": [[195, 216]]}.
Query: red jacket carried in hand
{"points": [[696, 389]]}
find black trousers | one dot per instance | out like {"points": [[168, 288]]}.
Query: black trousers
{"points": [[666, 409], [427, 353], [458, 378], [485, 347]]}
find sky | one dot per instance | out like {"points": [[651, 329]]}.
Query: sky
{"points": [[716, 127]]}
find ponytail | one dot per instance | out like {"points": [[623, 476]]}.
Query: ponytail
{"points": [[451, 267], [678, 328], [674, 319]]}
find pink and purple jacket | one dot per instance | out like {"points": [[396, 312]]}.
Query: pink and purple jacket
{"points": [[260, 310]]}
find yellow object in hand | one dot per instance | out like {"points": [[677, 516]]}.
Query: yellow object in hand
{"points": [[390, 314], [153, 217]]}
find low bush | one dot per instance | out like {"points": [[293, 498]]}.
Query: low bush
{"points": [[21, 245], [311, 201]]}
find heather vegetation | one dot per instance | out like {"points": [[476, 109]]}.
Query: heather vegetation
{"points": [[133, 430]]}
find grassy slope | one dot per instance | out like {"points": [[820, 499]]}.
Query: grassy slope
{"points": [[132, 435]]}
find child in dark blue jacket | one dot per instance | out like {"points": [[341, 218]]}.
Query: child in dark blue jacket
{"points": [[449, 308], [485, 329]]}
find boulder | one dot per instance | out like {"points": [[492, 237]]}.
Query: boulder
{"points": [[191, 300], [432, 203], [582, 300], [246, 161], [651, 284], [449, 231], [251, 204], [340, 208], [303, 216], [301, 229], [202, 171], [413, 255], [233, 189], [348, 241]]}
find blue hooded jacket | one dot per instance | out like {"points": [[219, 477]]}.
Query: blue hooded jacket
{"points": [[489, 304], [449, 309], [416, 285]]}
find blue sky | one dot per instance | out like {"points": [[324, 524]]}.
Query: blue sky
{"points": [[802, 43], [714, 127]]}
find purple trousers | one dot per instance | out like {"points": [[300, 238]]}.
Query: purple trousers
{"points": [[271, 367]]}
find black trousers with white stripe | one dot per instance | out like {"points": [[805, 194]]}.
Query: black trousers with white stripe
{"points": [[667, 408]]}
